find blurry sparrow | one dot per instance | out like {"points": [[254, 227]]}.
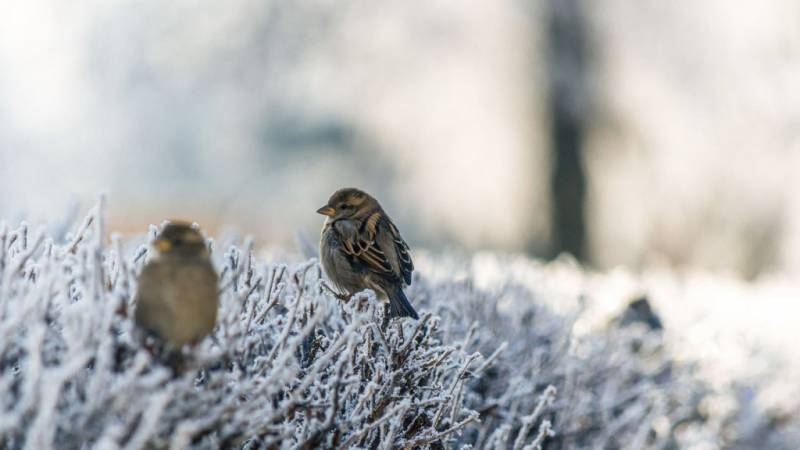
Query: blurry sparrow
{"points": [[177, 296], [361, 248]]}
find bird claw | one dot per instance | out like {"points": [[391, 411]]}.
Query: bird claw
{"points": [[343, 297]]}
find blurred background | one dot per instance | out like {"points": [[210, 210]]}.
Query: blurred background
{"points": [[625, 133]]}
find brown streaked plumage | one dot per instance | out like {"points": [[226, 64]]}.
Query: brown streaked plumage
{"points": [[361, 248], [177, 296]]}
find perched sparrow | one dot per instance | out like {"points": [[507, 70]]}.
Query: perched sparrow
{"points": [[361, 248], [177, 296]]}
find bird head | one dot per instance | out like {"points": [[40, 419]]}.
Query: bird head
{"points": [[179, 238], [348, 203]]}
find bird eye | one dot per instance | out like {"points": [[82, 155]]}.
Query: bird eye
{"points": [[344, 206]]}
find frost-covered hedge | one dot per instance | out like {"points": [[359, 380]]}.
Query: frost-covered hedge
{"points": [[290, 366]]}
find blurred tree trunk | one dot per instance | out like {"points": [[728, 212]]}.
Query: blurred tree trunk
{"points": [[568, 104]]}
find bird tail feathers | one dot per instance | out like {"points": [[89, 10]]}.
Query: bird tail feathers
{"points": [[399, 305]]}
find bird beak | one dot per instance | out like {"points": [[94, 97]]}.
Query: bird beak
{"points": [[162, 245], [326, 211]]}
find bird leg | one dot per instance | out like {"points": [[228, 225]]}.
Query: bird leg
{"points": [[386, 316], [176, 361]]}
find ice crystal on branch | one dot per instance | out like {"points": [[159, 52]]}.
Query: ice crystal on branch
{"points": [[291, 366]]}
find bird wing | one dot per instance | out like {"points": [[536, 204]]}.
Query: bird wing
{"points": [[378, 245], [151, 309], [402, 251]]}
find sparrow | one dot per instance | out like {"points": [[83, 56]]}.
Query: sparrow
{"points": [[177, 296], [361, 248]]}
